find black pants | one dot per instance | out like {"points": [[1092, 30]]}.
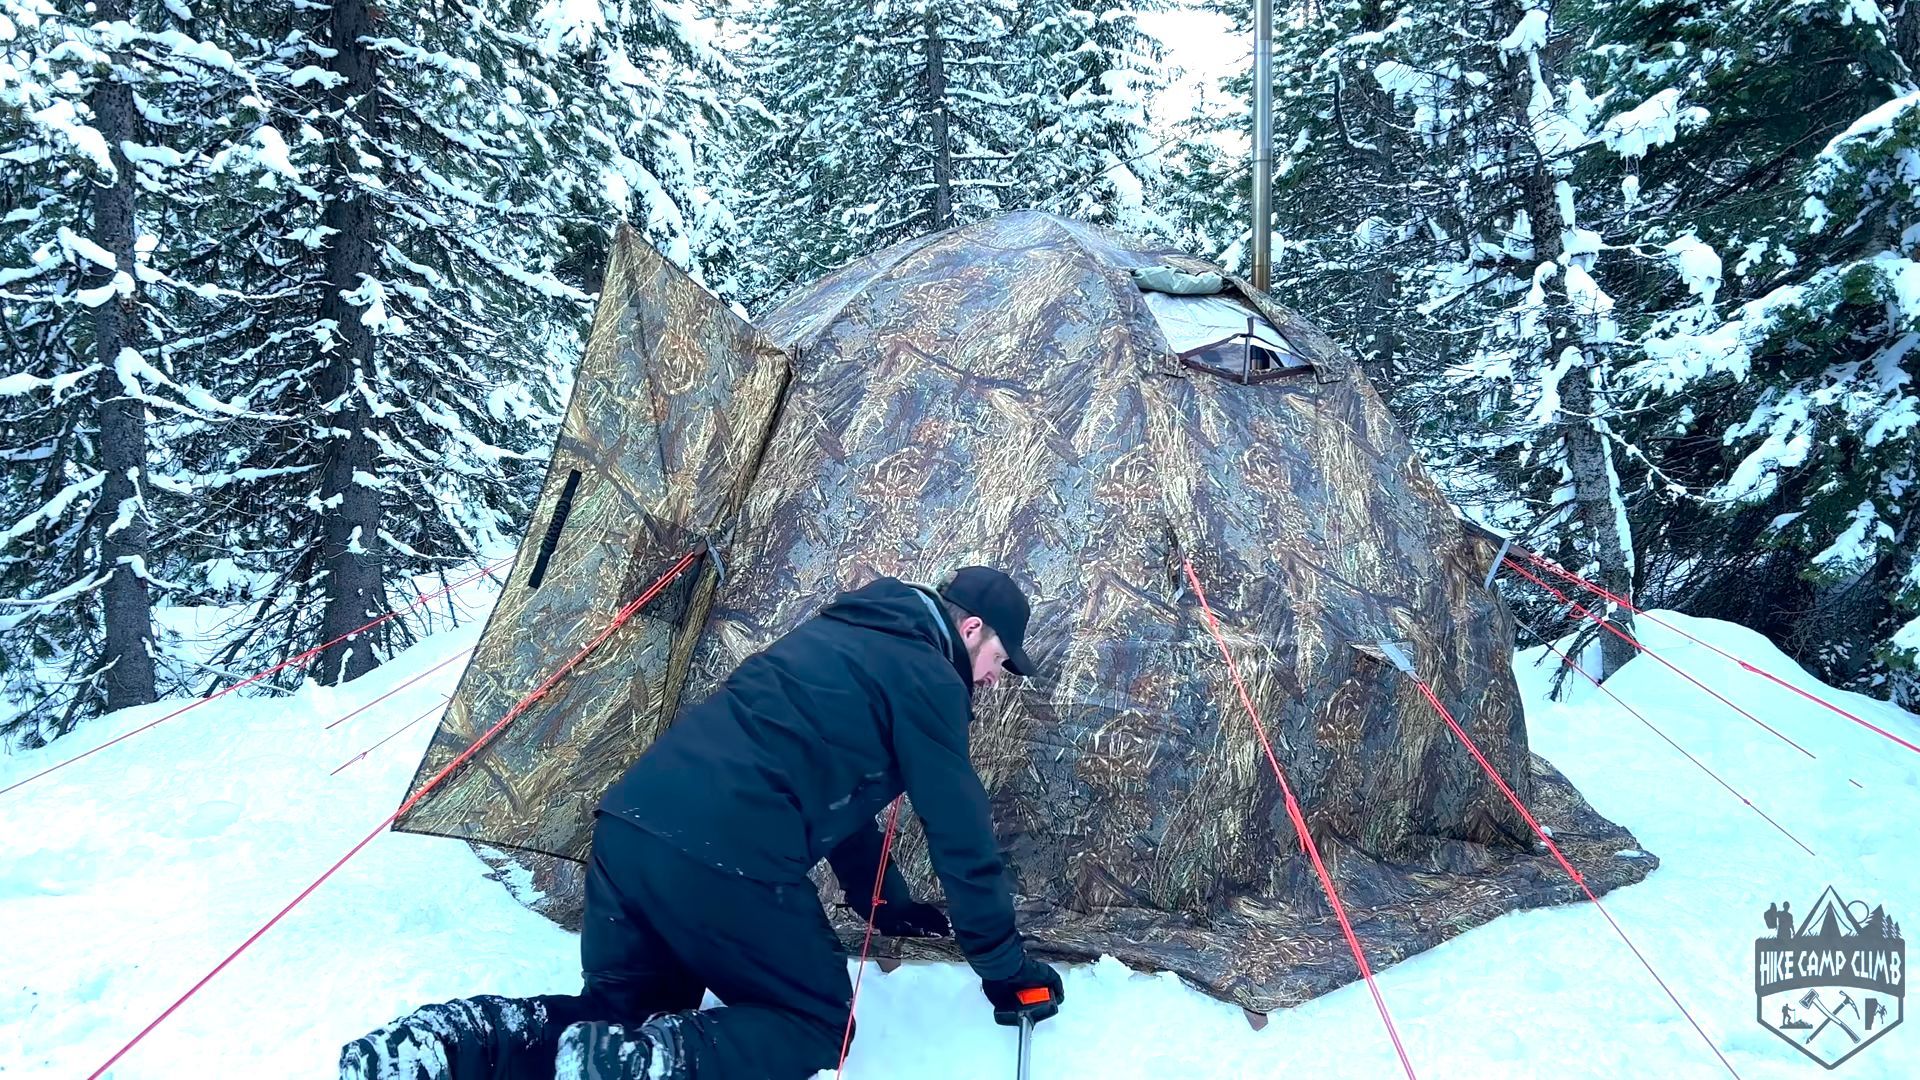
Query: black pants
{"points": [[661, 929]]}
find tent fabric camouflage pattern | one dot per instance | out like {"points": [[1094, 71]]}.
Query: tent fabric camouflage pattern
{"points": [[670, 411], [1000, 393]]}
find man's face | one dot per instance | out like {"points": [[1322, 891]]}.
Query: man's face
{"points": [[989, 655]]}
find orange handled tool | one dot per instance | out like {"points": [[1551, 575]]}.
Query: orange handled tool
{"points": [[1036, 1004], [1032, 1004]]}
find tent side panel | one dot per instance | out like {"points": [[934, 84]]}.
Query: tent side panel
{"points": [[1312, 527], [669, 416]]}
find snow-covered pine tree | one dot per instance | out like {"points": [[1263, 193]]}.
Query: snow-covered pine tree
{"points": [[894, 120], [47, 635], [1767, 166], [434, 175], [1558, 345], [88, 108], [654, 92], [127, 660], [1093, 154], [899, 119]]}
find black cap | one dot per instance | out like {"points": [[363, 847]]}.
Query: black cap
{"points": [[994, 597]]}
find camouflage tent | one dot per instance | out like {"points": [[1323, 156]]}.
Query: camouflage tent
{"points": [[1005, 393]]}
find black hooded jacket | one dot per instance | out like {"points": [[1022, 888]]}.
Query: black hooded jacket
{"points": [[808, 740]]}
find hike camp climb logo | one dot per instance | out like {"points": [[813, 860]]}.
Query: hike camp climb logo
{"points": [[1835, 981]]}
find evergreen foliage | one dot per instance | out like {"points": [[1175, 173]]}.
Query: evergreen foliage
{"points": [[1729, 263], [292, 292]]}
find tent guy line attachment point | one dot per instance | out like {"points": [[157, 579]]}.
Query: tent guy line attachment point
{"points": [[1395, 652], [1499, 557]]}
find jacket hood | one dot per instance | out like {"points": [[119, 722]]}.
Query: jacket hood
{"points": [[895, 607]]}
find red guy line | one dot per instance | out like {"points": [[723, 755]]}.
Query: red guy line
{"points": [[1635, 713], [873, 911], [1467, 741], [1638, 613], [1299, 821], [485, 571], [1628, 638], [540, 691], [402, 686]]}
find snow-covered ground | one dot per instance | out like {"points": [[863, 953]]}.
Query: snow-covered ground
{"points": [[126, 877]]}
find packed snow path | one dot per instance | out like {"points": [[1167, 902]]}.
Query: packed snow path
{"points": [[125, 877]]}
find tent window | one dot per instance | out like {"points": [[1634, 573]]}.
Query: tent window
{"points": [[1243, 359], [1222, 337]]}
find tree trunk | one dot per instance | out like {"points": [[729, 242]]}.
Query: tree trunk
{"points": [[1596, 486], [1596, 491], [123, 420], [937, 111], [1904, 19], [1379, 148], [349, 535]]}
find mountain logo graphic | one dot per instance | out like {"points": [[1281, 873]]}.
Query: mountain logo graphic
{"points": [[1833, 981]]}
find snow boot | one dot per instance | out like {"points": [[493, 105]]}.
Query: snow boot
{"points": [[477, 1038], [656, 1050]]}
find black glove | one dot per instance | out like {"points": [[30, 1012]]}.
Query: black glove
{"points": [[1007, 994], [911, 920]]}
